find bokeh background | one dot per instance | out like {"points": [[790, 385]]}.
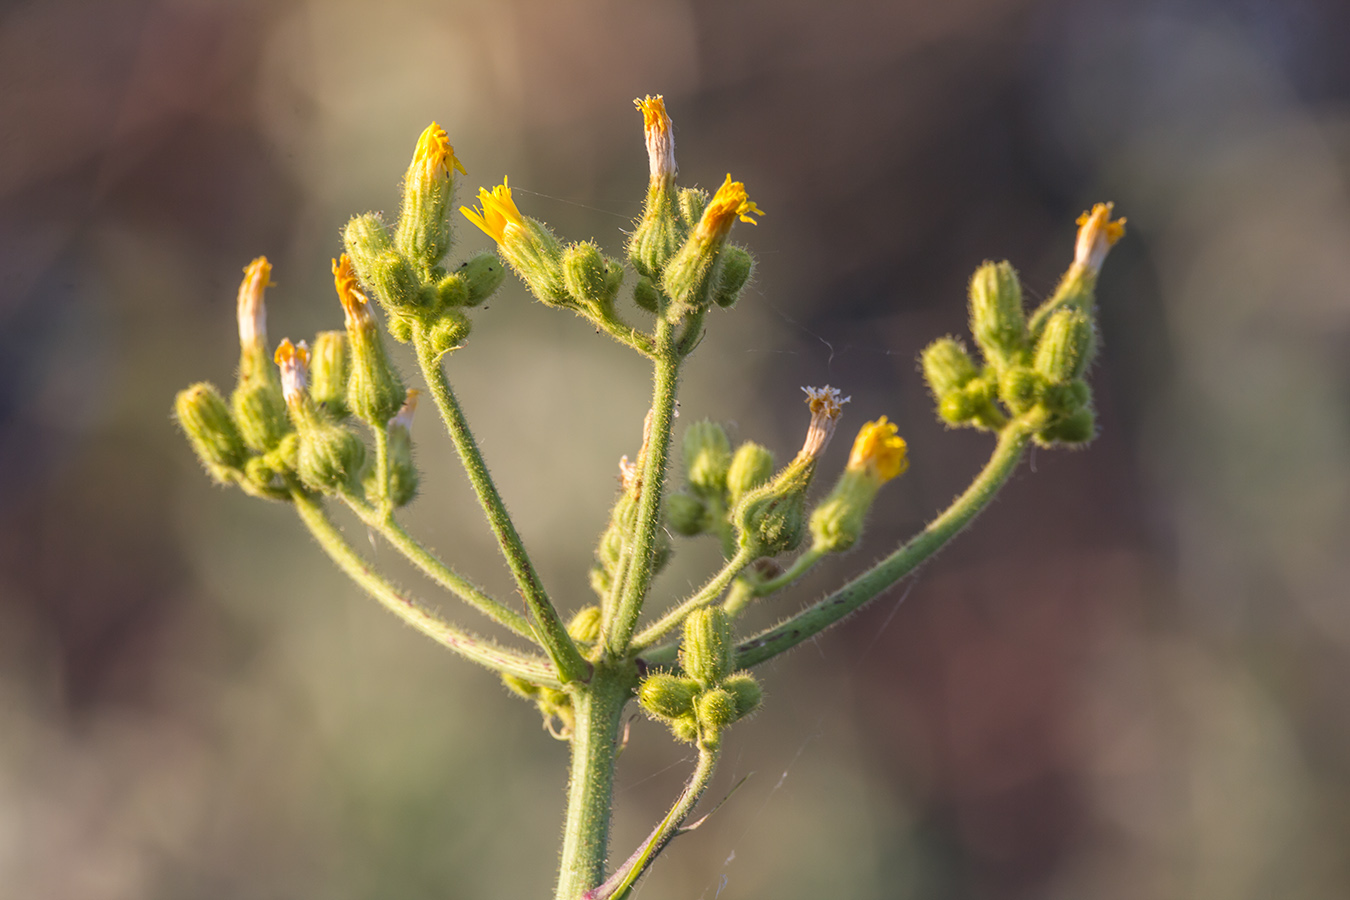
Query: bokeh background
{"points": [[1130, 680]]}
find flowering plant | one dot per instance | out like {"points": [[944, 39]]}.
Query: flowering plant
{"points": [[291, 433]]}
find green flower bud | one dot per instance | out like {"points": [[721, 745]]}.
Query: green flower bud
{"points": [[400, 327], [600, 580], [686, 514], [403, 477], [734, 269], [947, 367], [585, 625], [423, 235], [645, 294], [328, 372], [685, 729], [259, 412], [483, 273], [690, 204], [374, 390], [751, 466], [657, 236], [591, 279], [1066, 347], [1064, 399], [707, 456], [1077, 428], [210, 429], [708, 645], [997, 319], [1020, 388], [381, 267], [746, 691], [716, 709], [448, 331], [667, 696], [452, 290]]}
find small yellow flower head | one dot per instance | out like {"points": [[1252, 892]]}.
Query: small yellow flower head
{"points": [[879, 451], [403, 419], [354, 303], [434, 155], [1096, 234], [252, 311], [498, 213], [727, 205], [826, 407], [660, 139], [293, 360]]}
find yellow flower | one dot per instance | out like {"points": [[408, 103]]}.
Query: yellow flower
{"points": [[252, 311], [1096, 234], [879, 451], [354, 303], [435, 154], [660, 140], [728, 204], [498, 213]]}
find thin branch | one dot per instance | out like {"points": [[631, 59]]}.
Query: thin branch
{"points": [[706, 595]]}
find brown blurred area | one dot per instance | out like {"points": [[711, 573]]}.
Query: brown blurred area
{"points": [[1128, 680]]}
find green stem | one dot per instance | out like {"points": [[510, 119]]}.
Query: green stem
{"points": [[741, 595], [382, 470], [434, 568], [816, 618], [638, 563], [706, 595], [800, 566], [480, 650], [596, 710], [552, 632], [621, 882]]}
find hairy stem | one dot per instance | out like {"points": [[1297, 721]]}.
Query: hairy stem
{"points": [[551, 630], [816, 618], [480, 650], [637, 567], [705, 596]]}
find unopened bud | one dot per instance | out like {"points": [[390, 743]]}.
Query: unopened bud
{"points": [[206, 420], [997, 320], [707, 648], [423, 235], [585, 625], [328, 372], [448, 332], [380, 266], [716, 709], [586, 274], [947, 367], [1066, 347], [667, 696], [734, 269], [751, 466], [374, 391], [686, 514], [878, 456], [690, 204], [746, 691], [483, 274], [1075, 429], [1020, 388], [646, 295], [707, 456]]}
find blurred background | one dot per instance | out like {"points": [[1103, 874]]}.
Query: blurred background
{"points": [[1129, 680]]}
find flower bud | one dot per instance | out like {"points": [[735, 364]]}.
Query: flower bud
{"points": [[685, 729], [1066, 347], [686, 514], [646, 295], [751, 466], [734, 268], [878, 456], [403, 477], [690, 204], [1076, 428], [483, 274], [374, 391], [585, 625], [746, 691], [206, 420], [947, 367], [589, 276], [707, 456], [997, 320], [1020, 388], [452, 290], [526, 244], [328, 372], [667, 696], [686, 278], [447, 332], [707, 648], [716, 709], [381, 267], [423, 235]]}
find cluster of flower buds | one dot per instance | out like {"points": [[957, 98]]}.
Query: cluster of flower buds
{"points": [[699, 704], [1029, 362], [716, 480]]}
